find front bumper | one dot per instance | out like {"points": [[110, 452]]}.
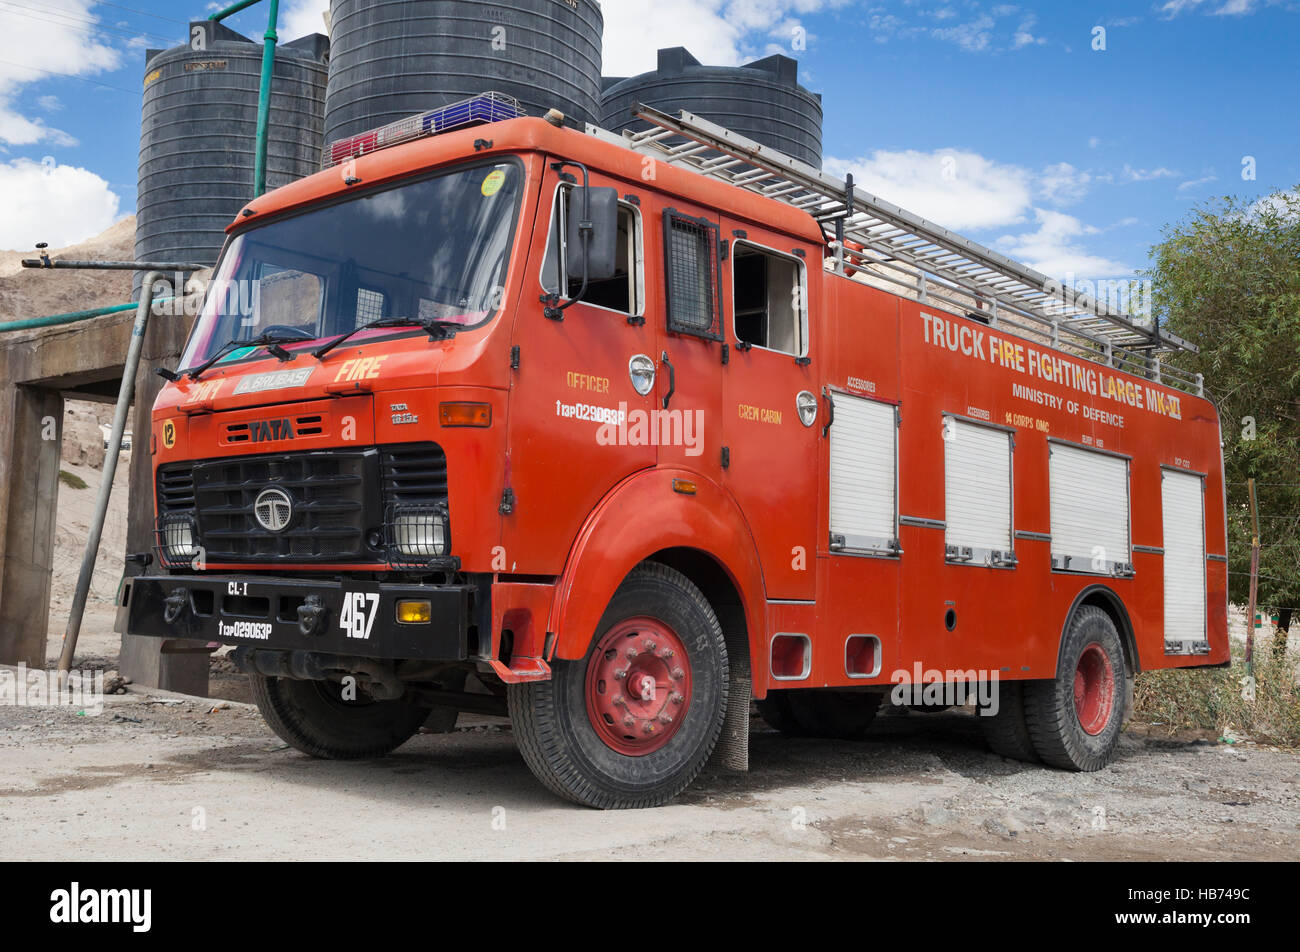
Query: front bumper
{"points": [[335, 616]]}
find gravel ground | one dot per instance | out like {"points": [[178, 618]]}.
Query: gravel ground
{"points": [[158, 776]]}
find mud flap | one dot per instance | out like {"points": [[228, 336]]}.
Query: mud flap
{"points": [[732, 749]]}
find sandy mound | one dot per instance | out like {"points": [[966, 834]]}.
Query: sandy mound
{"points": [[32, 293]]}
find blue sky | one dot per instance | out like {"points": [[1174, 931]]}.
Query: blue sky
{"points": [[1004, 121]]}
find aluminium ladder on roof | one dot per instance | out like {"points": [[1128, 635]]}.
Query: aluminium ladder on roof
{"points": [[882, 244]]}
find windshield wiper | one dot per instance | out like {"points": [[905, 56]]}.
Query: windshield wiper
{"points": [[437, 330], [270, 342]]}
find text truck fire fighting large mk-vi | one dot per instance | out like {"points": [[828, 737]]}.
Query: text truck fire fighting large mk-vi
{"points": [[637, 428]]}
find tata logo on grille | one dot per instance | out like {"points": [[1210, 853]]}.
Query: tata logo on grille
{"points": [[273, 510], [264, 431]]}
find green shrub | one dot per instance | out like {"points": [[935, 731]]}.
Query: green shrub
{"points": [[1212, 699], [71, 479]]}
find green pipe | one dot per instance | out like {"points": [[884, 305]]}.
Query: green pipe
{"points": [[264, 92], [233, 9], [71, 317], [264, 98]]}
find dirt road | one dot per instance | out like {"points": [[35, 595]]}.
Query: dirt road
{"points": [[160, 777]]}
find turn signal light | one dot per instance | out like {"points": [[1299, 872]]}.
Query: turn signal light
{"points": [[414, 612], [465, 414]]}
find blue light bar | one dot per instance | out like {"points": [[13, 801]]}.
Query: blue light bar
{"points": [[481, 109]]}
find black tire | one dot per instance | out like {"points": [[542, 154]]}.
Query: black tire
{"points": [[775, 710], [563, 748], [836, 715], [313, 717], [1051, 713], [924, 708], [1007, 732]]}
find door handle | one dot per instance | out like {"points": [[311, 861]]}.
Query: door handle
{"points": [[830, 411], [672, 379]]}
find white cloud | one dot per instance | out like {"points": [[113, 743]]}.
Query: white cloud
{"points": [[1197, 183], [717, 32], [965, 191], [1218, 8], [1063, 184], [957, 189], [1131, 174], [302, 18], [1055, 249], [31, 48], [61, 204]]}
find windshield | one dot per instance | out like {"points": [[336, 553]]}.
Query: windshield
{"points": [[430, 250]]}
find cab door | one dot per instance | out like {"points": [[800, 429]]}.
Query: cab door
{"points": [[771, 446], [571, 391]]}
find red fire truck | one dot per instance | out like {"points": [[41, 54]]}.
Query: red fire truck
{"points": [[615, 433]]}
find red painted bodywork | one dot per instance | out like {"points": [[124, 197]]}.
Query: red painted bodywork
{"points": [[586, 514]]}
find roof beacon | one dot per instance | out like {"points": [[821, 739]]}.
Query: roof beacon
{"points": [[484, 108]]}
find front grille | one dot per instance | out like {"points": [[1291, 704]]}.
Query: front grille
{"points": [[342, 502]]}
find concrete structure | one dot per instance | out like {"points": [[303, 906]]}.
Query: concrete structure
{"points": [[38, 369]]}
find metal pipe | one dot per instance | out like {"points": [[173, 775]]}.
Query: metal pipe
{"points": [[124, 396], [264, 99], [232, 10], [47, 264], [69, 318]]}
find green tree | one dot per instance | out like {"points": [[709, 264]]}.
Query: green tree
{"points": [[1227, 278]]}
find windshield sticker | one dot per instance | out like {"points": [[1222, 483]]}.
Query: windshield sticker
{"points": [[274, 380], [492, 184]]}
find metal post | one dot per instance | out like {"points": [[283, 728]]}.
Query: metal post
{"points": [[264, 99], [124, 396], [1254, 583]]}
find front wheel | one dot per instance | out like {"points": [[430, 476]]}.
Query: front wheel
{"points": [[633, 723], [320, 718], [1074, 720]]}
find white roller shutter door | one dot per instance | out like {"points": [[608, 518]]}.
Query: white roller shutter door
{"points": [[863, 477], [977, 480], [1183, 504], [1090, 511]]}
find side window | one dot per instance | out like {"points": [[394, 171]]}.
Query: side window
{"points": [[691, 273], [370, 306], [769, 300], [625, 291], [289, 298]]}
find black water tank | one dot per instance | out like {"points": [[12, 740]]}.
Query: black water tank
{"points": [[761, 100], [395, 58], [198, 133]]}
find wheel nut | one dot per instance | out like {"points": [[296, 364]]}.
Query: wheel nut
{"points": [[620, 674], [618, 700], [676, 698], [678, 674], [665, 719], [629, 721], [649, 727]]}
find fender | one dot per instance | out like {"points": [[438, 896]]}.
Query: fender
{"points": [[641, 516], [1127, 634]]}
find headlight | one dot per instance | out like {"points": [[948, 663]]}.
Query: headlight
{"points": [[421, 534], [179, 539]]}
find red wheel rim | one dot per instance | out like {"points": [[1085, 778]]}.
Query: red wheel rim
{"points": [[638, 686], [1094, 689]]}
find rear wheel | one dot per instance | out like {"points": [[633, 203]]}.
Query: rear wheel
{"points": [[838, 715], [633, 723], [1006, 731], [1074, 720], [316, 718]]}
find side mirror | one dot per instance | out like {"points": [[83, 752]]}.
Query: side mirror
{"points": [[592, 237]]}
